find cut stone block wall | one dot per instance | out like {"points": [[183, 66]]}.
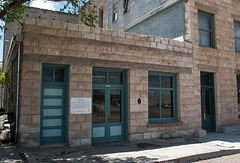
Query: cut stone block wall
{"points": [[83, 48], [222, 60]]}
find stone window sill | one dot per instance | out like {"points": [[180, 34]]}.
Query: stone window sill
{"points": [[164, 124]]}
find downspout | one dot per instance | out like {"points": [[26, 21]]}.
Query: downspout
{"points": [[18, 81]]}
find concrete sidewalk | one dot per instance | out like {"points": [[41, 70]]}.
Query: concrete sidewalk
{"points": [[186, 149]]}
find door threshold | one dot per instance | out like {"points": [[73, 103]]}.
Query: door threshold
{"points": [[111, 143], [54, 145]]}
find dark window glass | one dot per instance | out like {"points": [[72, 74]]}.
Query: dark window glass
{"points": [[153, 81], [115, 106], [167, 104], [237, 29], [154, 104], [125, 6], [166, 82], [207, 102], [205, 79], [205, 27], [100, 19], [115, 12], [237, 36], [99, 77], [98, 102], [47, 75], [115, 78], [59, 75]]}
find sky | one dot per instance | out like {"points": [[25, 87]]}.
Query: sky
{"points": [[38, 4]]}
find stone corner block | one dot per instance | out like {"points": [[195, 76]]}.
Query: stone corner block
{"points": [[30, 21], [72, 27], [86, 141], [200, 133], [59, 24], [136, 137], [166, 135], [44, 23]]}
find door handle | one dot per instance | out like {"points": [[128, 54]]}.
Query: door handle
{"points": [[205, 116]]}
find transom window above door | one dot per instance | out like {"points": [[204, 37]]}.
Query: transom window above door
{"points": [[104, 77], [51, 74]]}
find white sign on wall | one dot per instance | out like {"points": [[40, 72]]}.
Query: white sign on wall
{"points": [[81, 105]]}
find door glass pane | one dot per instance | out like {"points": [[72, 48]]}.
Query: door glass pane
{"points": [[47, 75], [52, 122], [115, 78], [115, 130], [153, 104], [52, 102], [205, 79], [59, 75], [99, 77], [115, 106], [166, 82], [52, 133], [53, 92], [167, 104], [207, 102], [98, 103], [153, 81], [52, 112]]}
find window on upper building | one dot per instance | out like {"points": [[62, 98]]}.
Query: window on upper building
{"points": [[206, 29], [237, 36], [162, 97], [125, 6], [115, 12], [100, 18], [238, 94]]}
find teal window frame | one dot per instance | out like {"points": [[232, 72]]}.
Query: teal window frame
{"points": [[211, 32], [236, 37], [238, 92], [175, 102]]}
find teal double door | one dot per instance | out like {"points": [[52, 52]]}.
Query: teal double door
{"points": [[108, 105], [208, 101], [54, 106]]}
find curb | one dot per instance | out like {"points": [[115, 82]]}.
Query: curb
{"points": [[204, 156]]}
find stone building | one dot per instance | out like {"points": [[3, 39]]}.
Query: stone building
{"points": [[80, 85]]}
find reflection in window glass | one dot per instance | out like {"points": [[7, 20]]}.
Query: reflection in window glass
{"points": [[99, 77], [153, 104], [115, 106], [167, 104], [162, 105], [98, 105], [115, 78], [59, 75], [166, 82], [153, 81], [47, 75]]}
